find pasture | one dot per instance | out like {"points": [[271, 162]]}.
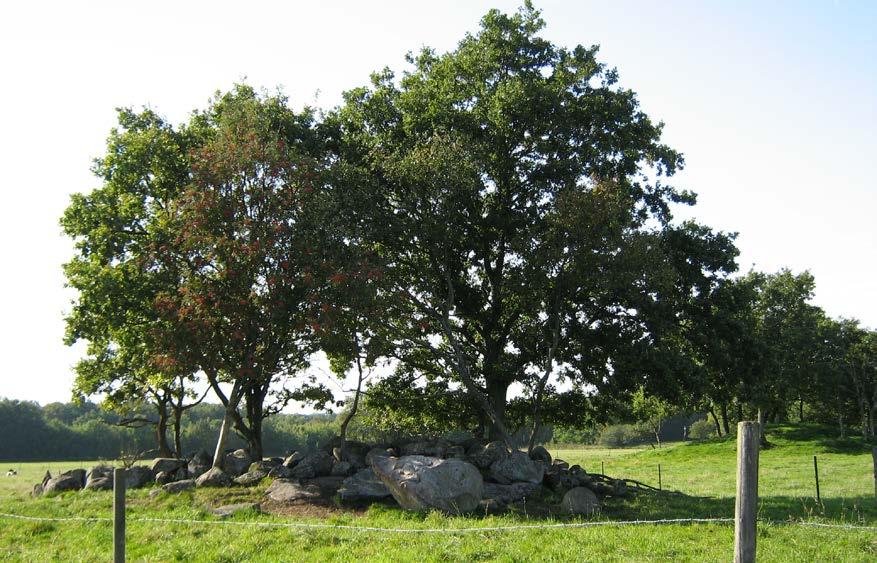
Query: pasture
{"points": [[703, 471]]}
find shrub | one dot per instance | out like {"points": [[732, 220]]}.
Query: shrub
{"points": [[620, 435], [702, 430]]}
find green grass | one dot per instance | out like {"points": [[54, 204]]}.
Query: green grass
{"points": [[705, 471]]}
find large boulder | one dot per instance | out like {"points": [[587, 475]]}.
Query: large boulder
{"points": [[214, 477], [353, 453], [251, 478], [517, 467], [237, 462], [507, 494], [232, 509], [199, 464], [483, 456], [362, 487], [265, 465], [539, 453], [293, 459], [179, 486], [140, 476], [430, 449], [315, 464], [166, 465], [287, 490], [342, 469], [72, 480], [422, 483], [99, 478], [580, 500], [377, 452], [280, 472]]}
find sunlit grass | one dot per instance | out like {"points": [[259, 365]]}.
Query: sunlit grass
{"points": [[704, 471]]}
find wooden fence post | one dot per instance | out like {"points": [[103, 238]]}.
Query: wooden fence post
{"points": [[746, 507], [660, 487], [119, 515], [874, 456]]}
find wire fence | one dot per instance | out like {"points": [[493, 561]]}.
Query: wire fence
{"points": [[477, 529]]}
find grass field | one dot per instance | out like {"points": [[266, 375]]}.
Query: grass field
{"points": [[705, 472]]}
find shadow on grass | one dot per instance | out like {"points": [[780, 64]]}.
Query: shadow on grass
{"points": [[659, 505], [824, 436]]}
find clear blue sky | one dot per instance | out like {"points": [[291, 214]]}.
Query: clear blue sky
{"points": [[773, 104]]}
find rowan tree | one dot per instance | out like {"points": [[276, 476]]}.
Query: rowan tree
{"points": [[245, 236]]}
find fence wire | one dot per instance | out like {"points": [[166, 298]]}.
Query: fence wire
{"points": [[516, 527]]}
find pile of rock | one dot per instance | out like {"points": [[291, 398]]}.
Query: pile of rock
{"points": [[455, 475], [451, 476]]}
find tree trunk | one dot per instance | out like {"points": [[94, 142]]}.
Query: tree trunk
{"points": [[178, 441], [843, 429], [359, 376], [725, 423], [716, 421], [164, 449], [739, 412], [762, 422], [496, 394], [801, 410]]}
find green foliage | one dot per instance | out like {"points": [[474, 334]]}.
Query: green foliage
{"points": [[622, 435], [514, 197], [702, 430], [67, 431]]}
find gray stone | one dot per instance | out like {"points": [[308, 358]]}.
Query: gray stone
{"points": [[456, 451], [375, 453], [179, 486], [69, 481], [166, 464], [363, 486], [214, 477], [138, 476], [251, 478], [517, 467], [560, 463], [353, 453], [580, 500], [236, 463], [488, 454], [99, 478], [342, 468], [507, 494], [265, 465], [197, 470], [293, 459], [328, 484], [539, 453], [314, 464], [99, 484], [163, 478], [286, 490], [422, 483], [280, 472], [430, 449], [232, 509]]}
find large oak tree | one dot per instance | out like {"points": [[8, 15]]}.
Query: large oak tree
{"points": [[515, 198]]}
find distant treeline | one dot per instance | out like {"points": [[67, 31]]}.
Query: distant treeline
{"points": [[70, 431], [67, 431]]}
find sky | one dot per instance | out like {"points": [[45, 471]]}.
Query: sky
{"points": [[772, 103]]}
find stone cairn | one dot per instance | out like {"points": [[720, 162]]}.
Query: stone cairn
{"points": [[455, 475]]}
